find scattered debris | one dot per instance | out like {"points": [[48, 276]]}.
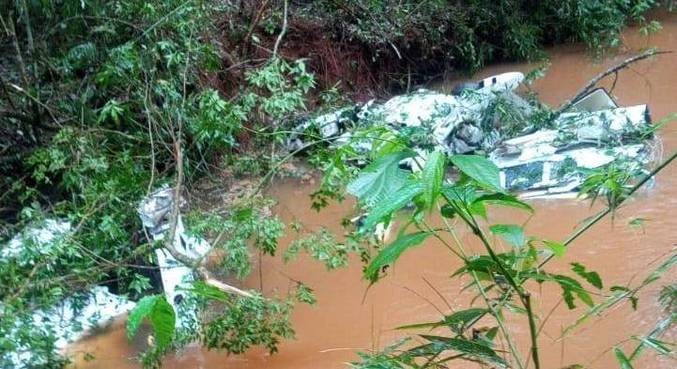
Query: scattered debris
{"points": [[75, 316]]}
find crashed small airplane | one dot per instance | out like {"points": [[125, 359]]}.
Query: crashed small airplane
{"points": [[539, 153]]}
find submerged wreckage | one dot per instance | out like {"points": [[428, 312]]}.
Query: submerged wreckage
{"points": [[539, 153]]}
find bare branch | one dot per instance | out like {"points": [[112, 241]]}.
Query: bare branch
{"points": [[284, 29], [593, 82]]}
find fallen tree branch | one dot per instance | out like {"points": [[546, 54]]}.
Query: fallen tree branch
{"points": [[593, 82], [193, 263], [205, 275]]}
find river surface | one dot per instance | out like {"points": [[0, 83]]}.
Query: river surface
{"points": [[347, 320]]}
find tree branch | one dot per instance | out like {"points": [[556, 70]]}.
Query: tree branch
{"points": [[284, 29], [193, 263], [583, 91]]}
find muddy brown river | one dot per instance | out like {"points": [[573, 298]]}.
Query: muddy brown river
{"points": [[345, 321]]}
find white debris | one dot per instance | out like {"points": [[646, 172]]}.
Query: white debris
{"points": [[40, 240], [155, 213], [75, 316]]}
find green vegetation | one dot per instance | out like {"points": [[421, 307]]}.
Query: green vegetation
{"points": [[423, 38], [102, 102], [503, 281]]}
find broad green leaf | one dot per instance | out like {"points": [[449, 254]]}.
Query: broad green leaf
{"points": [[485, 264], [462, 200], [142, 309], [432, 177], [556, 247], [391, 203], [465, 346], [379, 179], [569, 286], [480, 169], [392, 252], [477, 208], [161, 315], [163, 320], [622, 359], [502, 199], [511, 233], [592, 277]]}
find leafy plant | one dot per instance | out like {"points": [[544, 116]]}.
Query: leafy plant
{"points": [[501, 279]]}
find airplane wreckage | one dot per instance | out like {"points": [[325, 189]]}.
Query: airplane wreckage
{"points": [[487, 117], [539, 155]]}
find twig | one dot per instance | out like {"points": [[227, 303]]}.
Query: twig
{"points": [[17, 50], [283, 31], [255, 22], [204, 274], [526, 300], [568, 104], [29, 37]]}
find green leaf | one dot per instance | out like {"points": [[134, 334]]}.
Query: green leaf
{"points": [[161, 315], [592, 277], [570, 288], [448, 211], [664, 267], [432, 177], [485, 264], [142, 309], [392, 252], [462, 318], [163, 320], [556, 247], [502, 199], [457, 321], [480, 169], [622, 359], [379, 179], [511, 233], [659, 346], [207, 291], [467, 347], [462, 200], [391, 203]]}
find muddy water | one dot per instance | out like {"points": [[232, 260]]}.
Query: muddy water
{"points": [[346, 320]]}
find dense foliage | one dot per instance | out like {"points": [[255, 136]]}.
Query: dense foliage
{"points": [[424, 38]]}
